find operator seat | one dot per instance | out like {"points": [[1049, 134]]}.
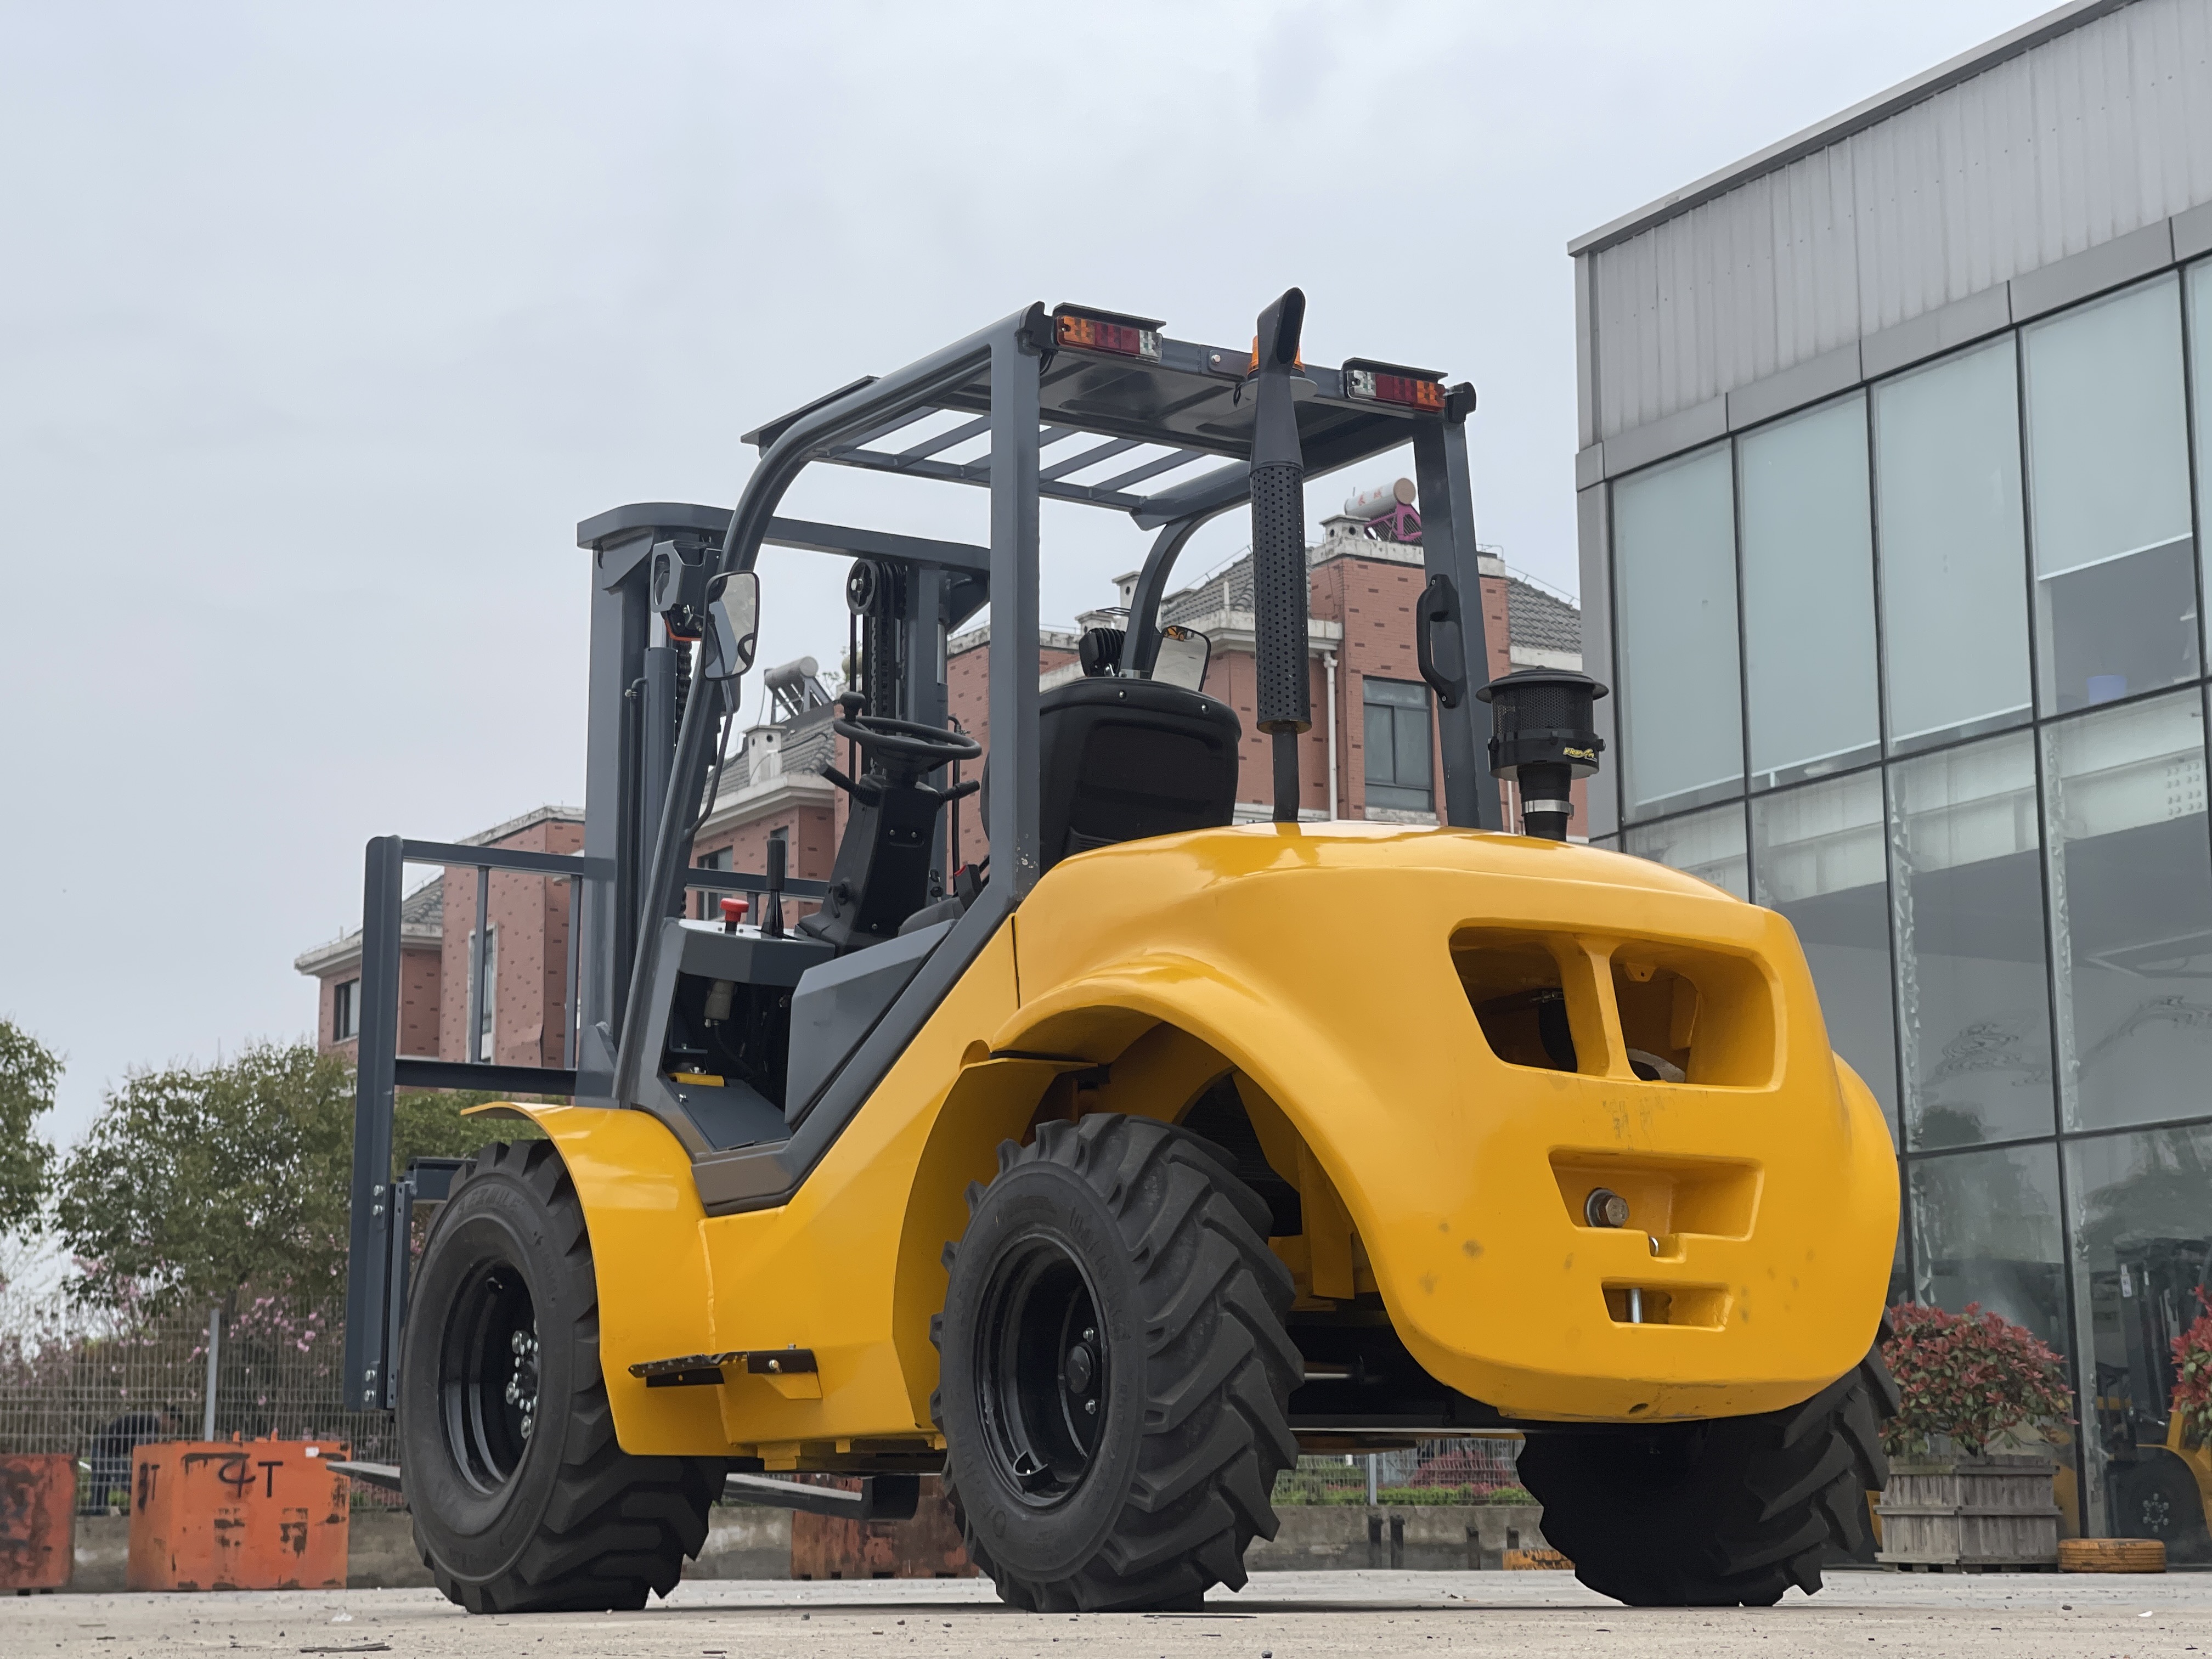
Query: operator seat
{"points": [[1123, 759]]}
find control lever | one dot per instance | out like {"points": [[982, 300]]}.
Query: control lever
{"points": [[771, 921]]}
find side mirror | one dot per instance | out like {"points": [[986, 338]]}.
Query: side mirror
{"points": [[1183, 654], [733, 625]]}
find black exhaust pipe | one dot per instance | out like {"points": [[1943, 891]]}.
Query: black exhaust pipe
{"points": [[1278, 545]]}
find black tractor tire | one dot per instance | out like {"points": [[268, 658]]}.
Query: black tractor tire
{"points": [[1114, 1370], [522, 1500], [1726, 1512]]}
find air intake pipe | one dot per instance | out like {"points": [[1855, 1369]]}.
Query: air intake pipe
{"points": [[1543, 736], [1278, 543]]}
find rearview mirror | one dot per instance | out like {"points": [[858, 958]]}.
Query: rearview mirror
{"points": [[1183, 654], [733, 625]]}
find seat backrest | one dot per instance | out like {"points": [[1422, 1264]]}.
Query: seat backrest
{"points": [[1123, 759]]}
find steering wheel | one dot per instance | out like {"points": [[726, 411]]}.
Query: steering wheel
{"points": [[909, 739]]}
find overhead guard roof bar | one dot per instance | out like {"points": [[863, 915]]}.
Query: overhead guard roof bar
{"points": [[1192, 400], [804, 535]]}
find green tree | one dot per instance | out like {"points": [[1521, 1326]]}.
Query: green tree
{"points": [[199, 1181], [29, 1071]]}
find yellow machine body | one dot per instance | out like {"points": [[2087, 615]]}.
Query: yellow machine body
{"points": [[1444, 1161]]}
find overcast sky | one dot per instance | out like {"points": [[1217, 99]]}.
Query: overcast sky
{"points": [[321, 327]]}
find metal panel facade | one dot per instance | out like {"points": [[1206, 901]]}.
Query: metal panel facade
{"points": [[1983, 300], [2096, 133]]}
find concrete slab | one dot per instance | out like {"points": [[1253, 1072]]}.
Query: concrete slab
{"points": [[1285, 1615]]}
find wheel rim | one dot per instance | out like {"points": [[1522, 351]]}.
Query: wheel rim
{"points": [[1041, 1370], [488, 1377]]}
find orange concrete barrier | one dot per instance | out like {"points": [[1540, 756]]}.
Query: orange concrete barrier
{"points": [[38, 1521], [926, 1546], [249, 1515]]}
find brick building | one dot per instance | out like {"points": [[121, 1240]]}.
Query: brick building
{"points": [[526, 956], [1373, 733], [1372, 754]]}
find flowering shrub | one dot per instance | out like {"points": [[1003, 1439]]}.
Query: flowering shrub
{"points": [[2192, 1380], [1974, 1377]]}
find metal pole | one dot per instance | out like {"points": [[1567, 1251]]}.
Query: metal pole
{"points": [[1374, 1496], [372, 1131], [568, 996], [215, 1360], [1448, 550], [1015, 395], [1328, 661], [472, 1040]]}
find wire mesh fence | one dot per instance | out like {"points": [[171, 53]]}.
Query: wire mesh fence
{"points": [[1473, 1471], [95, 1386]]}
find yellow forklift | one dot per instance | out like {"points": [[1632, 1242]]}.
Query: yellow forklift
{"points": [[1103, 1175]]}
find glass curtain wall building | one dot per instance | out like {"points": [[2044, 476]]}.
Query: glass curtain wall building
{"points": [[1893, 495]]}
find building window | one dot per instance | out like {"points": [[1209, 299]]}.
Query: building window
{"points": [[1708, 845], [2131, 910], [2140, 1204], [709, 899], [345, 1011], [1948, 526], [1985, 1229], [1673, 537], [1814, 703], [1398, 747], [2108, 499], [2200, 372], [1974, 1002], [1817, 855], [487, 1020]]}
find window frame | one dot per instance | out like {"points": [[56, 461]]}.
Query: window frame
{"points": [[1396, 710]]}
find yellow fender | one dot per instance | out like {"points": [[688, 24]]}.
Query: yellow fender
{"points": [[1328, 966]]}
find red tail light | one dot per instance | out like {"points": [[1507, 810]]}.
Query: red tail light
{"points": [[1387, 383], [1124, 336]]}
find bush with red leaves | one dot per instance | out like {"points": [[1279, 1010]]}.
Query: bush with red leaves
{"points": [[2192, 1380], [1974, 1377]]}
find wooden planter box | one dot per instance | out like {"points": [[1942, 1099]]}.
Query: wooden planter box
{"points": [[1969, 1512]]}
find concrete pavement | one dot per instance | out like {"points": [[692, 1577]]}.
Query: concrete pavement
{"points": [[1300, 1615]]}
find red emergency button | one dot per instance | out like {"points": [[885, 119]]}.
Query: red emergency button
{"points": [[733, 912]]}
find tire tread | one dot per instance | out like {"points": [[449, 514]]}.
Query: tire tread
{"points": [[615, 1528], [1218, 1359], [1758, 1504]]}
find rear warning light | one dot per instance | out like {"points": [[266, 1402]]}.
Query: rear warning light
{"points": [[1124, 336], [1387, 383]]}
